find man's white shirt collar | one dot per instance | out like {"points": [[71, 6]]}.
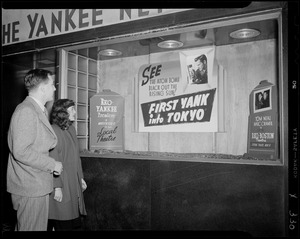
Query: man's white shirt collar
{"points": [[39, 103]]}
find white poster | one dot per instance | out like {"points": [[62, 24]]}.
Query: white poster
{"points": [[181, 95]]}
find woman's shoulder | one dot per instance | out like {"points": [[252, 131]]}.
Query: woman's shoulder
{"points": [[55, 126], [72, 129], [56, 129]]}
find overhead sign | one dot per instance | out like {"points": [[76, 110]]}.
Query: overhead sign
{"points": [[25, 25], [180, 95]]}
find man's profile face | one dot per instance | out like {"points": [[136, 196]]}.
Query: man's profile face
{"points": [[200, 65], [49, 88], [265, 95]]}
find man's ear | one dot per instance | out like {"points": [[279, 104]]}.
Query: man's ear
{"points": [[42, 87]]}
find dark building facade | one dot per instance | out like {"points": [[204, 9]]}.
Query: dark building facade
{"points": [[200, 179]]}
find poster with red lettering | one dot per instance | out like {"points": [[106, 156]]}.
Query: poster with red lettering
{"points": [[179, 95]]}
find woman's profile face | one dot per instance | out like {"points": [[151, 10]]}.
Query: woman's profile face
{"points": [[72, 113]]}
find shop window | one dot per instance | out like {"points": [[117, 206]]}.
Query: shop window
{"points": [[79, 83], [237, 66]]}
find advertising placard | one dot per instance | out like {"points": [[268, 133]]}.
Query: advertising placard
{"points": [[106, 121], [179, 95], [263, 122]]}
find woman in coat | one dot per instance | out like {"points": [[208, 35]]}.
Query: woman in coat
{"points": [[66, 203]]}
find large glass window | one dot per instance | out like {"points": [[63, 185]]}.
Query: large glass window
{"points": [[80, 85], [241, 64]]}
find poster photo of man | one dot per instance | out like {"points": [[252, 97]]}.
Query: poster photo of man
{"points": [[262, 100], [198, 70]]}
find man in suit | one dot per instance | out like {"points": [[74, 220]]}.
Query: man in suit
{"points": [[30, 169], [265, 99], [200, 75]]}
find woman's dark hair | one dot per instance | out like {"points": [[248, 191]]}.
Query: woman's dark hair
{"points": [[59, 114]]}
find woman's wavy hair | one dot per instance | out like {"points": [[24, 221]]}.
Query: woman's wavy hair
{"points": [[59, 114]]}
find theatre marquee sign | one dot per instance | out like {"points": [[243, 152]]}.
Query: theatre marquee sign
{"points": [[25, 25]]}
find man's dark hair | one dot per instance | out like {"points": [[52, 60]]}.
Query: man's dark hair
{"points": [[34, 77], [202, 58]]}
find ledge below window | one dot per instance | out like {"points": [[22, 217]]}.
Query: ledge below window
{"points": [[185, 157]]}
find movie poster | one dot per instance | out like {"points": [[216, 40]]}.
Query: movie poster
{"points": [[179, 95], [106, 121], [263, 121]]}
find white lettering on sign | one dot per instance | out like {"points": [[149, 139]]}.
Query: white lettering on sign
{"points": [[263, 121], [106, 108], [262, 137]]}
